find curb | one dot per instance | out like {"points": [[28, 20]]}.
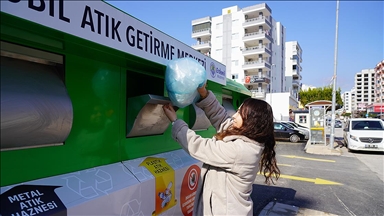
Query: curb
{"points": [[321, 149]]}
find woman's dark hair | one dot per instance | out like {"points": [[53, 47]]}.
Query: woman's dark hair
{"points": [[257, 118]]}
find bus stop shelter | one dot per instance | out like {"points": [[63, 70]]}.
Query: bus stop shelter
{"points": [[317, 120]]}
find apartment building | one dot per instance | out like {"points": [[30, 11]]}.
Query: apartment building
{"points": [[379, 80], [249, 42], [353, 99], [293, 58], [364, 88], [347, 99]]}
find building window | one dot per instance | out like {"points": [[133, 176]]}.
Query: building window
{"points": [[302, 119], [234, 50], [235, 36], [219, 40], [235, 22], [219, 26], [219, 54]]}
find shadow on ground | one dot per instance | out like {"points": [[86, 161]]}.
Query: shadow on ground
{"points": [[338, 140], [263, 194]]}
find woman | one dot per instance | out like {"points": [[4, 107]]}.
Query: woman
{"points": [[243, 145]]}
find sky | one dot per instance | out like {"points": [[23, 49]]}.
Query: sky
{"points": [[311, 23]]}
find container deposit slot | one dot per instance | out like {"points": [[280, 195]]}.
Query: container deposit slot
{"points": [[36, 109], [145, 115]]}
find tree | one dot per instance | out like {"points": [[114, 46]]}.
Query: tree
{"points": [[347, 114], [324, 93]]}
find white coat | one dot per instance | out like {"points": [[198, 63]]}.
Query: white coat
{"points": [[229, 166]]}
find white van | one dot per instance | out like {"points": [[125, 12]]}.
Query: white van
{"points": [[364, 134]]}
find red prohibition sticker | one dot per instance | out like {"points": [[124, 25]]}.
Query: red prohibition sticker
{"points": [[188, 189]]}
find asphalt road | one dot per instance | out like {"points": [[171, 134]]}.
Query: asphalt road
{"points": [[373, 160], [340, 185]]}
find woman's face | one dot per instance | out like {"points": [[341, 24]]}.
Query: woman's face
{"points": [[237, 120]]}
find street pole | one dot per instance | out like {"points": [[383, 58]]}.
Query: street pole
{"points": [[332, 136], [381, 102], [270, 87], [381, 98]]}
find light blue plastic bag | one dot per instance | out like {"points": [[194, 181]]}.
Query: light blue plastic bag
{"points": [[182, 78]]}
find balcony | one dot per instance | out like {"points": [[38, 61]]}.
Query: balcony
{"points": [[298, 66], [203, 46], [250, 80], [201, 33], [258, 8], [201, 20], [258, 21], [256, 36], [296, 74], [294, 61], [296, 58], [258, 94], [249, 65], [296, 82], [256, 50]]}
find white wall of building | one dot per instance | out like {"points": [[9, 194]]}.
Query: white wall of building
{"points": [[227, 45], [281, 103], [347, 101], [278, 57], [293, 69], [227, 34], [353, 99], [364, 88]]}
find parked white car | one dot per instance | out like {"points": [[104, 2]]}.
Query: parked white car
{"points": [[364, 134]]}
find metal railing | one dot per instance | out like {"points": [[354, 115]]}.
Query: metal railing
{"points": [[202, 43], [202, 30], [254, 33], [256, 62], [258, 94], [257, 18], [208, 18], [256, 7]]}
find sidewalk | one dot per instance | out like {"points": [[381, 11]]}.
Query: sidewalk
{"points": [[322, 149]]}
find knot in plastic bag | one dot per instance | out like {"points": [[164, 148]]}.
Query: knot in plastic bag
{"points": [[182, 78]]}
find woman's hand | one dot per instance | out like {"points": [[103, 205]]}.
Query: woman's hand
{"points": [[170, 112], [203, 91]]}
